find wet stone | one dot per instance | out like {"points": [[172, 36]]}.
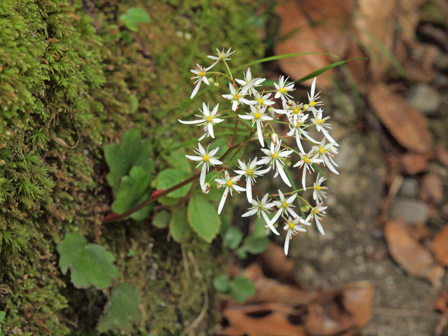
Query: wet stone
{"points": [[425, 99], [411, 210]]}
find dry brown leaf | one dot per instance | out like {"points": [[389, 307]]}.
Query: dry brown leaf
{"points": [[300, 38], [413, 164], [442, 155], [442, 325], [376, 20], [441, 302], [440, 246], [275, 264], [411, 255], [357, 300], [262, 320], [404, 122], [432, 187]]}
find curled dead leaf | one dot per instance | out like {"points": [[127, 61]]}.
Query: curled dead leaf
{"points": [[432, 188], [440, 246], [410, 254]]}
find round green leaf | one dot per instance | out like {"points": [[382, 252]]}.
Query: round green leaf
{"points": [[241, 288], [179, 228], [232, 238], [255, 245], [203, 218], [169, 178], [221, 283], [161, 219]]}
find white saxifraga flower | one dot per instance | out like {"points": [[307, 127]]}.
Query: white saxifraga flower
{"points": [[318, 213], [257, 115], [283, 88], [293, 228], [262, 207], [251, 172], [305, 162], [236, 97], [263, 100], [208, 119], [295, 129], [231, 183], [312, 98], [321, 125], [284, 207], [249, 84], [325, 153], [319, 192], [222, 55], [201, 76], [291, 109], [274, 157], [206, 159]]}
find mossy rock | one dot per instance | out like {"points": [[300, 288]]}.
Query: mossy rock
{"points": [[68, 85]]}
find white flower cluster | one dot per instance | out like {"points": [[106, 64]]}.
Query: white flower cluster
{"points": [[245, 94]]}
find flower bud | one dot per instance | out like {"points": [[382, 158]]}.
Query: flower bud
{"points": [[290, 102], [274, 138], [288, 162], [206, 188], [216, 84], [305, 107], [218, 186], [271, 109], [211, 80]]}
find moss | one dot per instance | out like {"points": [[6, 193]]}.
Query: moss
{"points": [[68, 85]]}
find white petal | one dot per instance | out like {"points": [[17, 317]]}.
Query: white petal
{"points": [[249, 189], [238, 188], [196, 89], [194, 158], [203, 174], [269, 223], [234, 105], [210, 130], [260, 133], [213, 151], [319, 226], [201, 149], [214, 161], [288, 237], [291, 199], [249, 213], [223, 200], [283, 174], [190, 122]]}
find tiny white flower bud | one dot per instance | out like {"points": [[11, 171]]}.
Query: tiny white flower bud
{"points": [[211, 80], [216, 84], [271, 109], [206, 188], [274, 137], [218, 186], [290, 102]]}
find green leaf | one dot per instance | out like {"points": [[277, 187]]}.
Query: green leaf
{"points": [[133, 16], [178, 160], [179, 228], [203, 218], [161, 219], [255, 245], [241, 288], [241, 254], [221, 283], [131, 152], [121, 310], [232, 238], [169, 178], [165, 200], [2, 315], [133, 103], [134, 189], [90, 264]]}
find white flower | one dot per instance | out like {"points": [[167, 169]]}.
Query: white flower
{"points": [[274, 157], [293, 228], [283, 88], [230, 183], [295, 126], [248, 83], [200, 74], [263, 100], [206, 159], [262, 207], [257, 115], [318, 192], [236, 97], [305, 162], [284, 207], [251, 172], [208, 119], [312, 98], [325, 153], [321, 125], [222, 55], [317, 213], [206, 188], [291, 109]]}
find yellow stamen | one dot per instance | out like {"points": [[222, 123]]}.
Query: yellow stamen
{"points": [[229, 183], [319, 121], [282, 90], [306, 160], [236, 97], [313, 103], [205, 158], [209, 118], [296, 110], [315, 211], [275, 155], [318, 187], [249, 171], [202, 74], [260, 101], [257, 116], [322, 150], [291, 226], [284, 204]]}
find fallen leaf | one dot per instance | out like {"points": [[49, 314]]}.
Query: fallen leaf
{"points": [[432, 187], [357, 300], [440, 246], [298, 38], [404, 122], [442, 325], [441, 302], [442, 155], [411, 255], [276, 265]]}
